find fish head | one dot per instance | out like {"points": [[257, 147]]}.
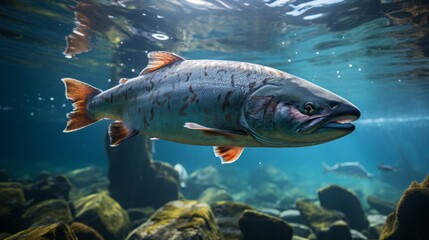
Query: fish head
{"points": [[294, 112]]}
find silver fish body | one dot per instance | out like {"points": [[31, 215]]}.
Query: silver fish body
{"points": [[223, 103], [348, 169]]}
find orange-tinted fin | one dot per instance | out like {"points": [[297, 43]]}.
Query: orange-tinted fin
{"points": [[212, 131], [123, 80], [159, 60], [79, 93], [228, 154], [118, 133]]}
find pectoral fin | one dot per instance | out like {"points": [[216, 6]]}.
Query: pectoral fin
{"points": [[228, 154], [213, 131], [118, 133]]}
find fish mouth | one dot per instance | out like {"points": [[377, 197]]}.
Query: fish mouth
{"points": [[337, 123]]}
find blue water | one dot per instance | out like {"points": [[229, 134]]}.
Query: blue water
{"points": [[374, 54]]}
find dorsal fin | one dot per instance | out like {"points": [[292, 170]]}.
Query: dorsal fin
{"points": [[159, 60]]}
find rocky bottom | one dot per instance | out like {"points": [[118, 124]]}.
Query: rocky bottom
{"points": [[78, 205]]}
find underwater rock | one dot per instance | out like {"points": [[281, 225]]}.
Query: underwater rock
{"points": [[376, 219], [292, 216], [343, 200], [295, 237], [85, 232], [318, 218], [382, 206], [101, 185], [411, 217], [213, 195], [270, 211], [201, 180], [356, 235], [47, 212], [135, 180], [84, 176], [265, 195], [268, 174], [104, 214], [12, 202], [49, 187], [4, 177], [257, 225], [301, 230], [55, 231], [4, 235], [139, 215], [227, 215], [179, 220], [339, 230]]}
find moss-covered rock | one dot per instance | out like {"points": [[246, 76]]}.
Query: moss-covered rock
{"points": [[85, 232], [50, 187], [104, 214], [227, 215], [47, 212], [411, 217], [318, 218], [201, 180], [213, 195], [12, 202], [382, 206], [55, 231], [343, 200], [139, 215], [256, 225], [338, 230], [179, 220]]}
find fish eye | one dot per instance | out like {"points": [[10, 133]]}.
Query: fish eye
{"points": [[309, 108]]}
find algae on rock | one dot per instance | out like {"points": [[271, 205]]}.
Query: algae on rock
{"points": [[179, 220], [12, 202], [48, 232], [411, 218], [104, 214], [227, 215], [47, 212]]}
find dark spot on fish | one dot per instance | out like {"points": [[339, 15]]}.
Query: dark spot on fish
{"points": [[126, 94], [205, 67], [145, 123], [226, 102], [218, 97], [205, 74], [111, 98], [185, 98], [232, 80], [183, 108], [251, 86], [266, 80], [152, 113], [248, 75], [194, 95], [188, 75], [221, 70], [152, 85], [228, 117]]}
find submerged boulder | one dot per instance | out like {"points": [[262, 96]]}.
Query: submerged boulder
{"points": [[382, 206], [85, 232], [136, 180], [179, 220], [47, 232], [268, 174], [47, 212], [139, 215], [256, 225], [318, 218], [49, 187], [338, 230], [104, 214], [343, 200], [227, 215], [213, 195], [411, 217], [12, 202], [201, 180]]}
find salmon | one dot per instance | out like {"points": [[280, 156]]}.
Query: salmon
{"points": [[226, 104]]}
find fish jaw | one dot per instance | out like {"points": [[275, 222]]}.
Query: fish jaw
{"points": [[333, 125]]}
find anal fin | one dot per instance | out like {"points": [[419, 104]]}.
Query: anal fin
{"points": [[118, 133], [228, 154]]}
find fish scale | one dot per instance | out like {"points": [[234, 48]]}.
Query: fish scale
{"points": [[227, 104]]}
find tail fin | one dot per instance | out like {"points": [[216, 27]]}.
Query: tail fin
{"points": [[79, 93], [326, 168]]}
